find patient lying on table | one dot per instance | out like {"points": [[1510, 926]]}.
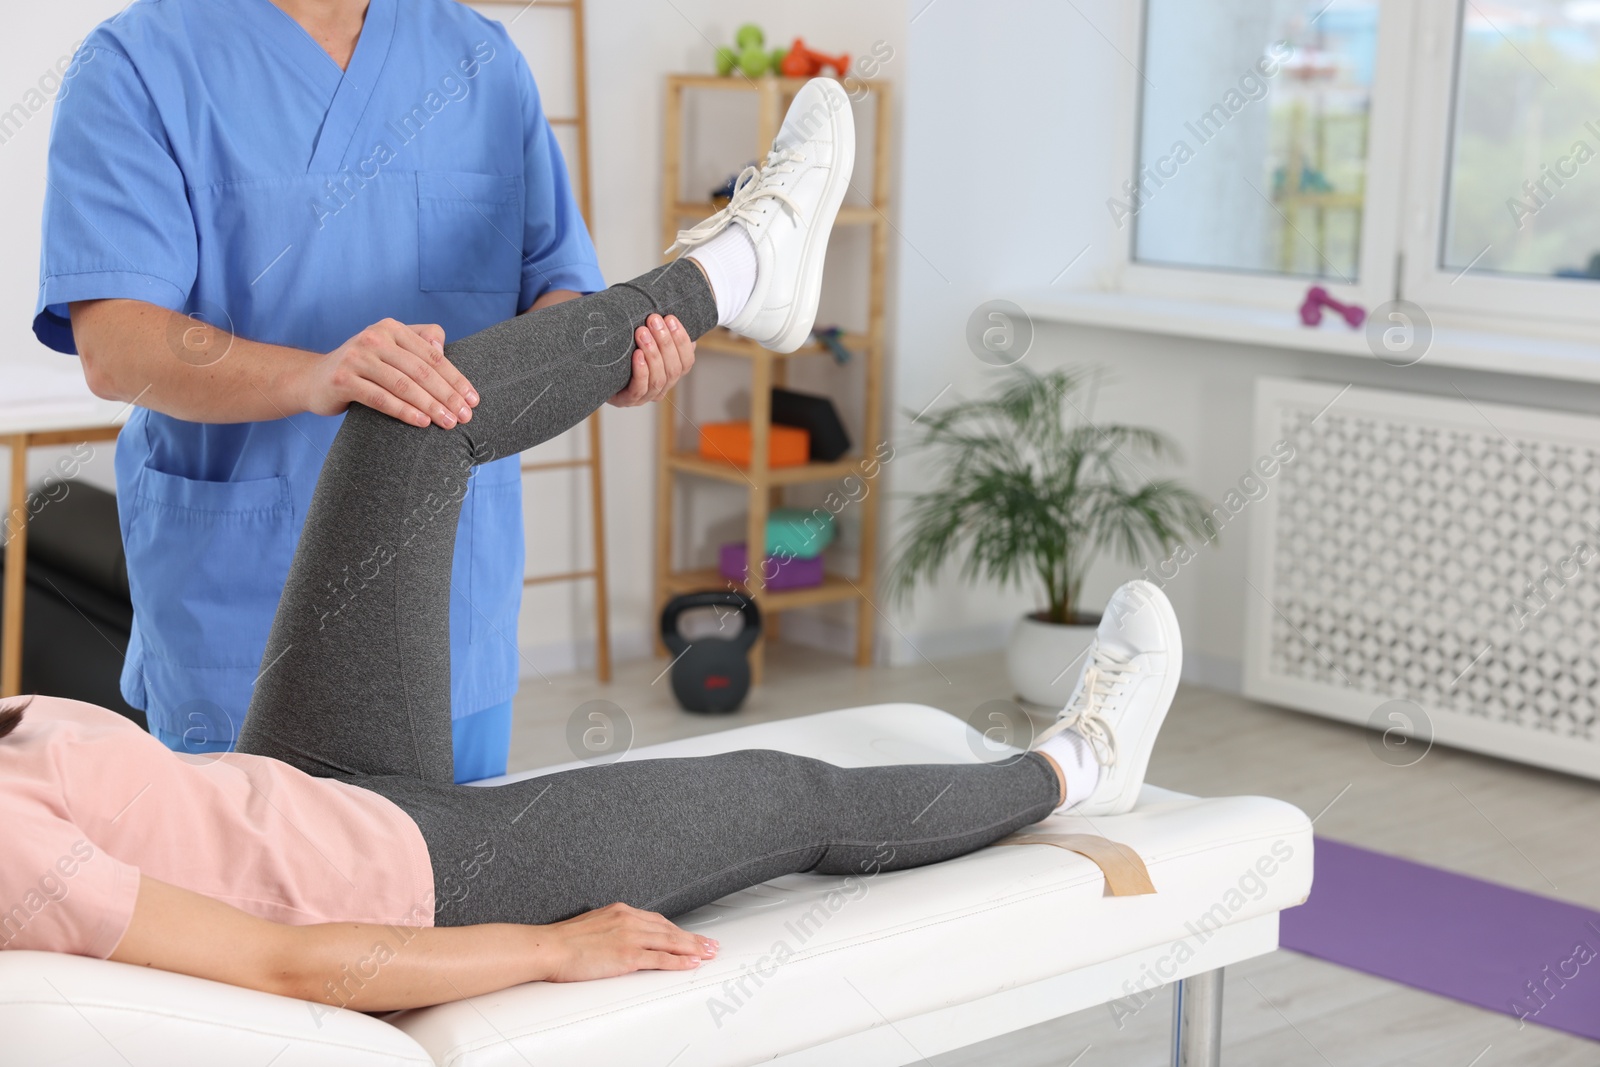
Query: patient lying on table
{"points": [[269, 868]]}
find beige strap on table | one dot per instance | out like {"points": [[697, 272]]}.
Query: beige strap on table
{"points": [[1125, 872]]}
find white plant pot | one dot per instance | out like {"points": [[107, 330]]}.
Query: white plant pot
{"points": [[1045, 658]]}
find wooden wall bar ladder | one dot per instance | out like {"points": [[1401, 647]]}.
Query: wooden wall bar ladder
{"points": [[583, 184]]}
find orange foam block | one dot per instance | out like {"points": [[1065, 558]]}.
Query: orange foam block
{"points": [[788, 446]]}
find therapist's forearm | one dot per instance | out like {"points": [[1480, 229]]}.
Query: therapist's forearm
{"points": [[186, 368], [141, 353]]}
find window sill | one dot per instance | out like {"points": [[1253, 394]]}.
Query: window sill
{"points": [[1502, 352]]}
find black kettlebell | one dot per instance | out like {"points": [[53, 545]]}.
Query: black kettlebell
{"points": [[711, 674]]}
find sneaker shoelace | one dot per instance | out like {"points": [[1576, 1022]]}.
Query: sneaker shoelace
{"points": [[1103, 680], [754, 186]]}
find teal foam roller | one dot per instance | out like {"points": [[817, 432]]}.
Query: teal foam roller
{"points": [[798, 532]]}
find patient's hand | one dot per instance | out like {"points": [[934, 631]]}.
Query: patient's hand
{"points": [[618, 939], [665, 354]]}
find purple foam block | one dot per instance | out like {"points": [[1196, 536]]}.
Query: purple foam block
{"points": [[791, 573], [1485, 944]]}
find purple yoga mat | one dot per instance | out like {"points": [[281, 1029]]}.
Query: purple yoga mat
{"points": [[1485, 944]]}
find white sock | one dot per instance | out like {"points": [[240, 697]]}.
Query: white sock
{"points": [[1076, 757], [729, 260]]}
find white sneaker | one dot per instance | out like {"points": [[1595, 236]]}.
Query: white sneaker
{"points": [[787, 206], [1123, 694]]}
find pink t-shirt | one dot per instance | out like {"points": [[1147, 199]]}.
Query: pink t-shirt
{"points": [[88, 802]]}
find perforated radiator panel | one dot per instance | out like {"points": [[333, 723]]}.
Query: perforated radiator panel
{"points": [[1434, 550]]}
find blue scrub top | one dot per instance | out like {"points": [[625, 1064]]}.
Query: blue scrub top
{"points": [[209, 157]]}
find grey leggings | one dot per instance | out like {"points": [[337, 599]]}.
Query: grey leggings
{"points": [[355, 681]]}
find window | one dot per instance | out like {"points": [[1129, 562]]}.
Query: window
{"points": [[1521, 191], [1263, 111], [1444, 151]]}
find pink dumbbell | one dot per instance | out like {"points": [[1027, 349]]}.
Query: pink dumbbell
{"points": [[1318, 298]]}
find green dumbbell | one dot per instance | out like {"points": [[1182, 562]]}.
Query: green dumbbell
{"points": [[753, 61], [749, 36], [727, 59]]}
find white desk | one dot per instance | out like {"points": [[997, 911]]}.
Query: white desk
{"points": [[43, 402]]}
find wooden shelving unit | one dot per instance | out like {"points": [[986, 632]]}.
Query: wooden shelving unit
{"points": [[764, 484]]}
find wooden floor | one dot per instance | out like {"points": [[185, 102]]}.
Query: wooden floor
{"points": [[1491, 819]]}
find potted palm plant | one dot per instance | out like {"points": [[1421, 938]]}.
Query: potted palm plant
{"points": [[1033, 492]]}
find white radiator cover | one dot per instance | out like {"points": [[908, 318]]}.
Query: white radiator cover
{"points": [[1435, 550]]}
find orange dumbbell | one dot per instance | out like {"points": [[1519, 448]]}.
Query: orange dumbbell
{"points": [[802, 62]]}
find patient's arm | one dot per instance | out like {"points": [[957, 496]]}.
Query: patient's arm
{"points": [[385, 968]]}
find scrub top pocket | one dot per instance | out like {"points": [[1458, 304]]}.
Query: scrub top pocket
{"points": [[469, 232], [496, 593], [206, 562]]}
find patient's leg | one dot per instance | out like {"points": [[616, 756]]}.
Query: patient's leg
{"points": [[356, 674], [669, 835]]}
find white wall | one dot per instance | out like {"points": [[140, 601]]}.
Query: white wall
{"points": [[37, 37], [1008, 118]]}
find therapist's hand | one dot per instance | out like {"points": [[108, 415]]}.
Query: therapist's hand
{"points": [[397, 369], [665, 354]]}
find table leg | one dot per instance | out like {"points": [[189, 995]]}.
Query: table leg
{"points": [[16, 569], [1197, 1020]]}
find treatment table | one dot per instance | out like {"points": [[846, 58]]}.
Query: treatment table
{"points": [[816, 971]]}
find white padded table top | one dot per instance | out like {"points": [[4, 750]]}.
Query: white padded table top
{"points": [[71, 1010], [806, 960]]}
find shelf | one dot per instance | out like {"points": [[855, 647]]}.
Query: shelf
{"points": [[799, 474], [556, 465], [849, 214], [832, 590], [744, 83], [721, 341], [1332, 201]]}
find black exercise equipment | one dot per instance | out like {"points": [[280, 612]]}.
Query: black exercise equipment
{"points": [[710, 674], [817, 416]]}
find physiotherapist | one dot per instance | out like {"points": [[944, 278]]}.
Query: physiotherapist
{"points": [[259, 212]]}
